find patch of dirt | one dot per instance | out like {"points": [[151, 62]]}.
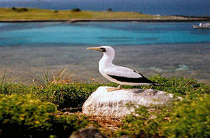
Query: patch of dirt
{"points": [[105, 122]]}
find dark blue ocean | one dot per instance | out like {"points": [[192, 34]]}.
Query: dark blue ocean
{"points": [[162, 7]]}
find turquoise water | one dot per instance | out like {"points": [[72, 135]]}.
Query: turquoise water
{"points": [[117, 33], [29, 50]]}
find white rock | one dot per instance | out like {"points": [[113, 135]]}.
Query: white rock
{"points": [[113, 103]]}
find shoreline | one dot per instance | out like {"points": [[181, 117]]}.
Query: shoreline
{"points": [[17, 14], [81, 65], [181, 19]]}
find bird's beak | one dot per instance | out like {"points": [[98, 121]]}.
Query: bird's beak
{"points": [[96, 48]]}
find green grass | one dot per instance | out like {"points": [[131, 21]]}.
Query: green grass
{"points": [[35, 109], [28, 116], [44, 14], [186, 118]]}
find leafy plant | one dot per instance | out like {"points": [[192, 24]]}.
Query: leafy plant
{"points": [[27, 115], [76, 10], [31, 110], [65, 95], [139, 124], [56, 90], [19, 9], [186, 118], [189, 118], [109, 10]]}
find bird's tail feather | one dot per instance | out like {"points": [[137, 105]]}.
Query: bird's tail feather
{"points": [[156, 84]]}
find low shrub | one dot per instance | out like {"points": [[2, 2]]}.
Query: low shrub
{"points": [[20, 9], [10, 88], [180, 86], [62, 94], [76, 10], [65, 95], [14, 8], [139, 124], [33, 109], [109, 10], [189, 118], [186, 118], [26, 115]]}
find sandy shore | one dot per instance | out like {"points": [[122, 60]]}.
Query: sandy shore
{"points": [[177, 19]]}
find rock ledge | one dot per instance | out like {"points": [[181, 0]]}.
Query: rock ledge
{"points": [[113, 103]]}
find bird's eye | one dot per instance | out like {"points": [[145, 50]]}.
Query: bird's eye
{"points": [[103, 49]]}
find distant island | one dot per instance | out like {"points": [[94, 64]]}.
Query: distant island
{"points": [[76, 15]]}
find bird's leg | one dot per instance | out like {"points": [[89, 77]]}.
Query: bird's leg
{"points": [[119, 87], [114, 88]]}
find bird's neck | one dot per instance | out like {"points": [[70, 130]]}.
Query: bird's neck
{"points": [[106, 61]]}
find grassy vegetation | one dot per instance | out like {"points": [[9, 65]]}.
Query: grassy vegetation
{"points": [[26, 115], [187, 118], [43, 14], [31, 110]]}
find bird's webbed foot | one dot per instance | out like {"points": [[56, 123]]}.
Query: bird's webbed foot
{"points": [[114, 88]]}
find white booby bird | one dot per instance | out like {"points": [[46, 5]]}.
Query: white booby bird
{"points": [[119, 74]]}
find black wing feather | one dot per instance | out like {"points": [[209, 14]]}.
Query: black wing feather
{"points": [[133, 80]]}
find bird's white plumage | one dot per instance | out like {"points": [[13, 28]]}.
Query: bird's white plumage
{"points": [[118, 74], [122, 71]]}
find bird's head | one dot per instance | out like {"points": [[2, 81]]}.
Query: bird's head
{"points": [[108, 51], [105, 49]]}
